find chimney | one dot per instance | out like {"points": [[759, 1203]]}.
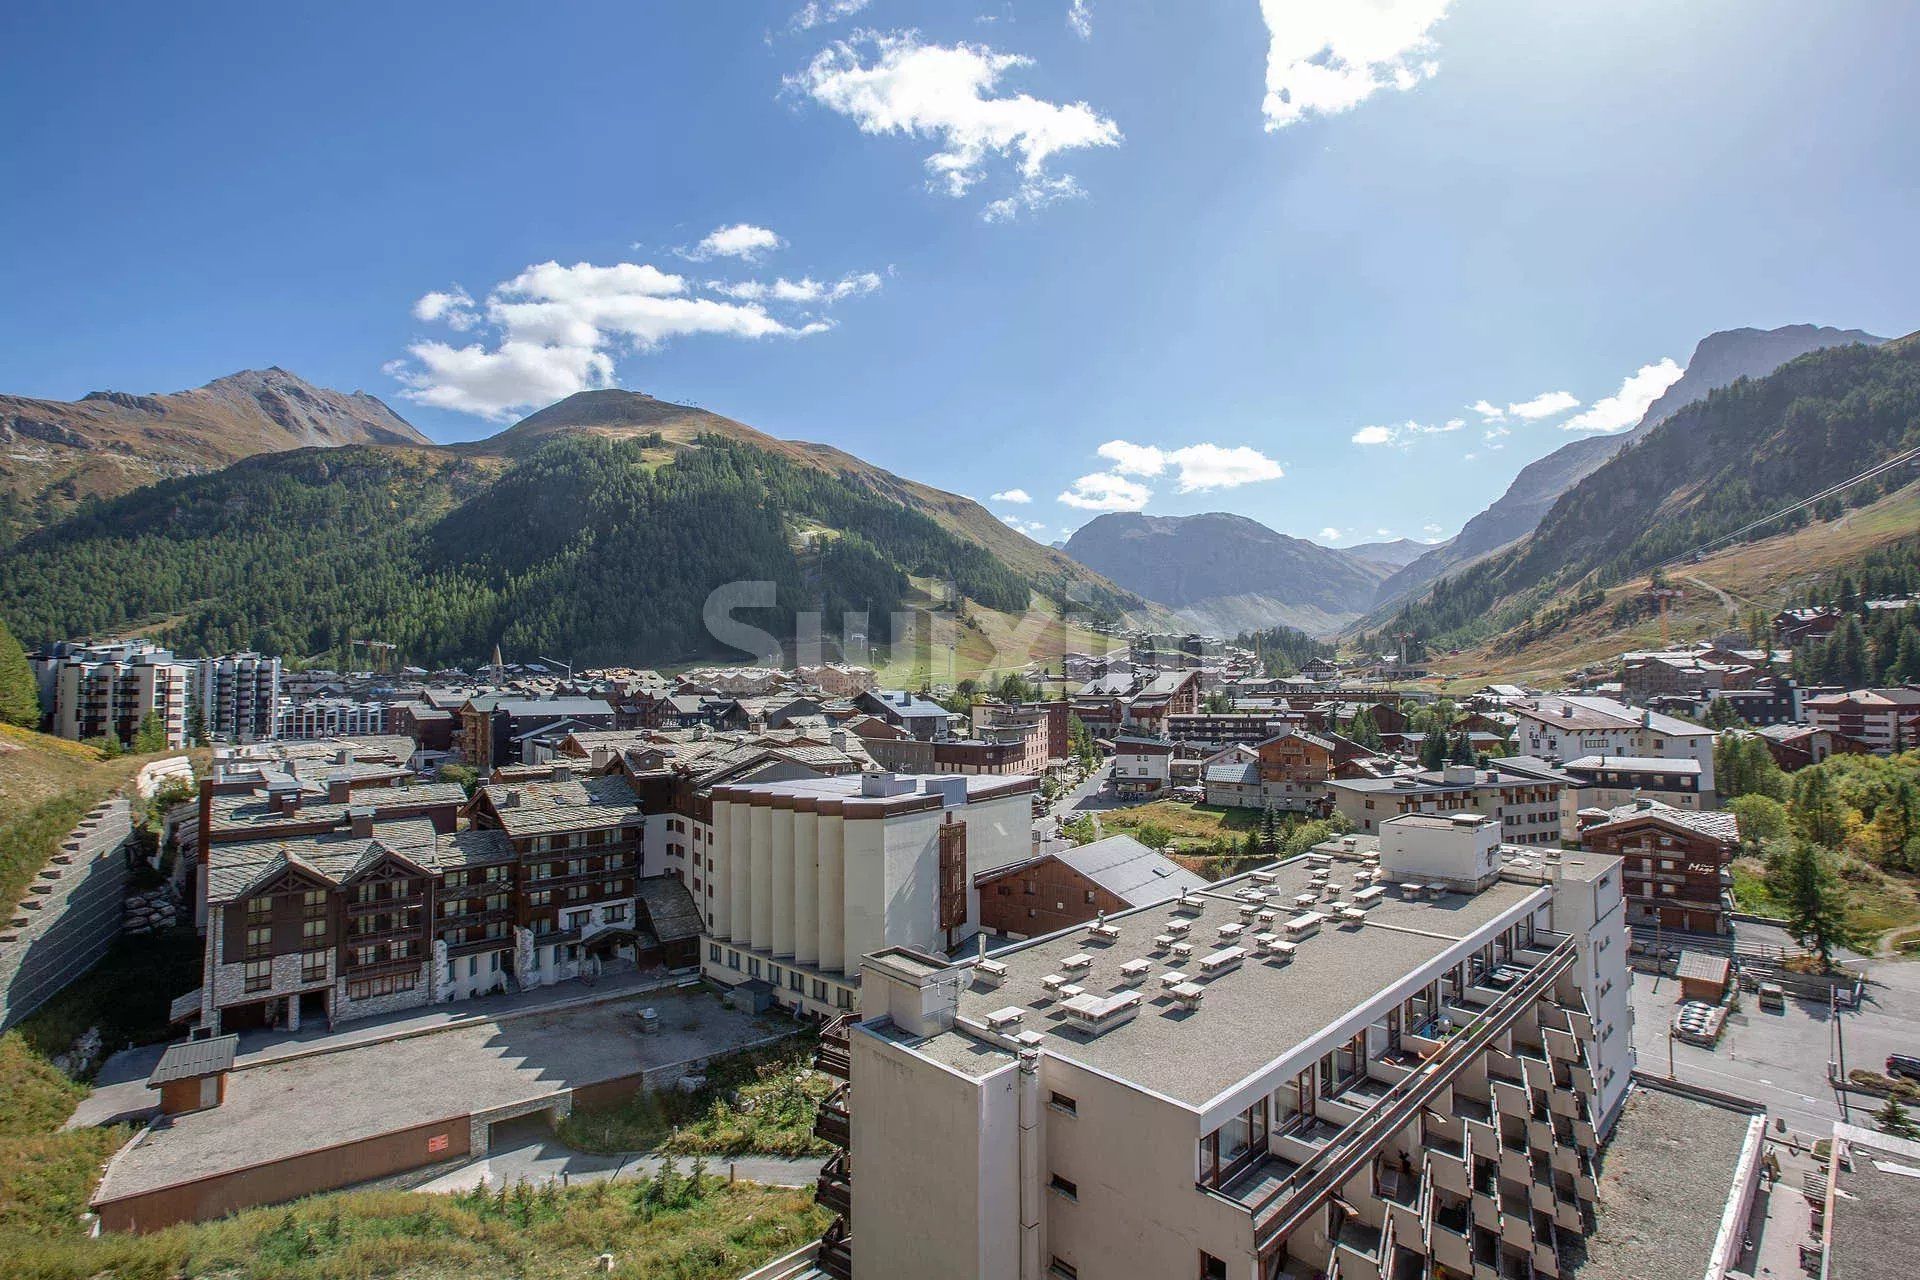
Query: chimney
{"points": [[361, 821], [343, 756], [839, 739], [560, 773], [339, 789]]}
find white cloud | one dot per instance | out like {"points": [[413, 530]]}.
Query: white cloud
{"points": [[453, 306], [1491, 412], [1105, 491], [1013, 495], [1383, 533], [817, 13], [1080, 19], [1545, 405], [1199, 468], [893, 83], [1625, 407], [1406, 432], [804, 291], [1031, 527], [1328, 56], [1331, 534], [553, 330], [741, 240]]}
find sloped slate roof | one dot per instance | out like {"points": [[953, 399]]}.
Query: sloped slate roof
{"points": [[1130, 871], [670, 907]]}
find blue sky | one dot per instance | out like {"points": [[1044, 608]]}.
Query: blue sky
{"points": [[1127, 236]]}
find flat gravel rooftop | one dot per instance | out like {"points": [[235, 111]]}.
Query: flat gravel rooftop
{"points": [[1250, 1016], [1664, 1183]]}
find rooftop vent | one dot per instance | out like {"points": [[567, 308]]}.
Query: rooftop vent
{"points": [[989, 973], [1097, 1015], [1134, 972], [1004, 1020]]}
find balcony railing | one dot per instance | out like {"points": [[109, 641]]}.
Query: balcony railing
{"points": [[1284, 1208]]}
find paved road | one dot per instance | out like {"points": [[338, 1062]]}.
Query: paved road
{"points": [[1780, 1059], [527, 1151]]}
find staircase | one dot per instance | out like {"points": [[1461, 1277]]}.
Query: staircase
{"points": [[834, 1189]]}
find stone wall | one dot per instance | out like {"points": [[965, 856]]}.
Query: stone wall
{"points": [[70, 915]]}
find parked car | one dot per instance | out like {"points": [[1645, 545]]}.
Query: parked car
{"points": [[1902, 1064]]}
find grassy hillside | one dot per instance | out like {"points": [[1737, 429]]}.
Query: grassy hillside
{"points": [[1716, 595], [46, 785]]}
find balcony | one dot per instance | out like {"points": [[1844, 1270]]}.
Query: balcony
{"points": [[833, 1123], [834, 1188], [1327, 1163]]}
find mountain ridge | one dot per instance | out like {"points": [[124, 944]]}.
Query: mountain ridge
{"points": [[55, 454], [1718, 360], [1225, 573]]}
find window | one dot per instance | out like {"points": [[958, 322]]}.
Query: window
{"points": [[1060, 1269], [1089, 897], [819, 989], [385, 985], [843, 998], [258, 940], [313, 966], [312, 930], [616, 913], [1212, 1268], [713, 952], [733, 959], [1061, 1102], [1062, 1186], [796, 980], [259, 975]]}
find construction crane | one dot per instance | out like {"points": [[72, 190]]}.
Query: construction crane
{"points": [[379, 653]]}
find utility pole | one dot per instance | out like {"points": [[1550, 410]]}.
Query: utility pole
{"points": [[1840, 1041]]}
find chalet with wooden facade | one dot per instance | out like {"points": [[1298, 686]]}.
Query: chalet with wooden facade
{"points": [[1678, 863]]}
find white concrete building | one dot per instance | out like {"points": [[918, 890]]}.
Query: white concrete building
{"points": [[236, 698], [1353, 1064], [101, 690], [329, 718], [1562, 728], [804, 878]]}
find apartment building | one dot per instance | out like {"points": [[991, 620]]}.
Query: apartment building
{"points": [[577, 846], [108, 690], [236, 698], [307, 719], [1607, 782], [1678, 862], [1887, 720], [1142, 766], [1289, 772], [1560, 728], [1530, 807], [331, 890], [803, 878], [1396, 1064]]}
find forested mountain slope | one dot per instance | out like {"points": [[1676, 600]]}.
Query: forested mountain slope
{"points": [[593, 548]]}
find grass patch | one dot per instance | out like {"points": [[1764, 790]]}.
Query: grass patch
{"points": [[713, 1233], [1750, 891], [1182, 821], [761, 1102]]}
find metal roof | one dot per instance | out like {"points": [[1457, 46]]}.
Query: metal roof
{"points": [[190, 1059]]}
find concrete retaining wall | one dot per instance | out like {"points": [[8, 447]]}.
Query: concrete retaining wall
{"points": [[71, 913]]}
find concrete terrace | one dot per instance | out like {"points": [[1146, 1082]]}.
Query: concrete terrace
{"points": [[286, 1108]]}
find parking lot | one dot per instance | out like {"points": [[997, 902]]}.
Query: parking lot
{"points": [[1780, 1059]]}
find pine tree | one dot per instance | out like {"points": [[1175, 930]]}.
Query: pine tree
{"points": [[1721, 715], [1893, 1120], [1269, 831], [1815, 915], [19, 692], [1462, 752], [151, 736], [1819, 816], [1364, 730]]}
